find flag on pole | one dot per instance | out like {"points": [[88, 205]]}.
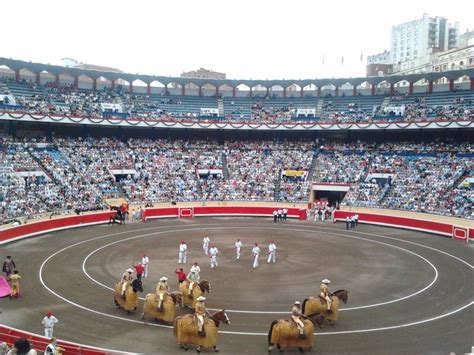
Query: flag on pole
{"points": [[342, 60], [361, 57], [324, 57]]}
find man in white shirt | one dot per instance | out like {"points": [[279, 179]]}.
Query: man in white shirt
{"points": [[280, 214], [213, 256], [183, 250], [193, 277], [49, 321], [145, 261], [238, 248], [205, 244], [275, 215], [271, 252], [285, 213], [255, 254]]}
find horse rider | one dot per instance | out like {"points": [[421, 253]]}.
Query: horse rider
{"points": [[200, 312], [326, 294], [161, 288], [183, 249], [296, 316], [193, 278], [238, 248], [213, 256], [255, 253], [271, 252], [205, 244], [127, 277]]}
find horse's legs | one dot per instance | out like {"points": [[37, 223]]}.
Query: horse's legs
{"points": [[198, 349], [184, 346], [143, 315], [301, 350], [271, 347], [216, 349]]}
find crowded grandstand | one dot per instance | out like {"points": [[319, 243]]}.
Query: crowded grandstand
{"points": [[54, 173]]}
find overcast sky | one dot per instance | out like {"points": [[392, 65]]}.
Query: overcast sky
{"points": [[256, 39]]}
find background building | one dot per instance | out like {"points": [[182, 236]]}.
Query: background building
{"points": [[413, 42], [202, 73], [379, 64]]}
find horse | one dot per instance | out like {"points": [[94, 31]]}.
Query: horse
{"points": [[198, 290], [118, 217], [284, 333], [185, 330], [170, 301], [130, 303], [318, 305]]}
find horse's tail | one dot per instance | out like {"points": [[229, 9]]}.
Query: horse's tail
{"points": [[303, 306], [270, 332], [175, 326]]}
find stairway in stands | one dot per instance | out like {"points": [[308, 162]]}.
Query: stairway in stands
{"points": [[312, 168], [220, 107], [386, 102], [277, 188], [319, 107], [225, 169]]}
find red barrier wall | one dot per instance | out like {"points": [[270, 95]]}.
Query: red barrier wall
{"points": [[39, 343], [402, 222], [51, 225], [206, 211]]}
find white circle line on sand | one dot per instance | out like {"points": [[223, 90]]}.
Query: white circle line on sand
{"points": [[273, 228], [406, 241], [241, 333]]}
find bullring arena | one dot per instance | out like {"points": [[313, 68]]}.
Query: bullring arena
{"points": [[408, 291]]}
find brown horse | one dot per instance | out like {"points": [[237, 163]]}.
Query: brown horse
{"points": [[317, 304], [130, 303], [186, 330], [170, 302], [284, 333], [198, 290]]}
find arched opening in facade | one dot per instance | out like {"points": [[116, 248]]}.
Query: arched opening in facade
{"points": [[382, 88], [46, 78], [175, 89], [27, 76], [259, 91], [225, 90], [420, 86], [122, 85], [310, 90], [7, 73], [157, 88], [85, 82], [66, 80], [364, 88], [103, 83], [276, 91], [441, 84], [328, 90], [462, 83], [346, 89], [293, 90], [139, 86], [401, 87], [208, 90], [242, 90]]}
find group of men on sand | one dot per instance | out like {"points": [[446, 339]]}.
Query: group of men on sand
{"points": [[193, 278]]}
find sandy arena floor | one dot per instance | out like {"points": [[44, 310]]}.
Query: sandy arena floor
{"points": [[409, 292]]}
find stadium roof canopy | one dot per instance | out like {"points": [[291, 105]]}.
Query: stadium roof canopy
{"points": [[37, 68]]}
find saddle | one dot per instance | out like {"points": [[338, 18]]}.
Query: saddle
{"points": [[322, 299]]}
